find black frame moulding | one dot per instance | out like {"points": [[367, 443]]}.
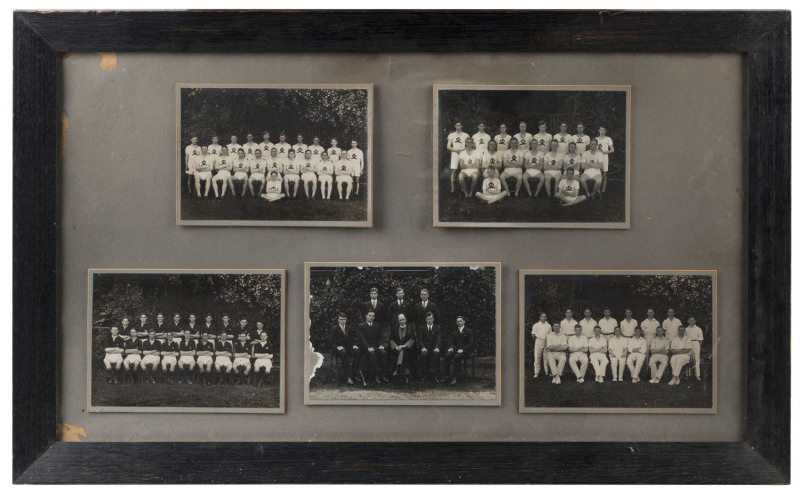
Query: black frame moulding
{"points": [[763, 37]]}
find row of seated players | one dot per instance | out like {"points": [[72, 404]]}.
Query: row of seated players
{"points": [[618, 351], [407, 347], [230, 359], [546, 169]]}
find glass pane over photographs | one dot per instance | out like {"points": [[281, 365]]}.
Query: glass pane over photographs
{"points": [[274, 155], [403, 334], [186, 341], [532, 156], [617, 342]]}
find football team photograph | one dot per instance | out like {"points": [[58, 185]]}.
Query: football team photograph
{"points": [[275, 155], [532, 156], [618, 342], [186, 341], [403, 334]]}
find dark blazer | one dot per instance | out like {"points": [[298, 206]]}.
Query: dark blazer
{"points": [[398, 339], [430, 341], [463, 340], [394, 310], [336, 338], [419, 312], [380, 311]]}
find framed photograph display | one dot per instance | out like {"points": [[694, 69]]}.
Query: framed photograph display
{"points": [[186, 341], [222, 180], [578, 331], [402, 334], [103, 84]]}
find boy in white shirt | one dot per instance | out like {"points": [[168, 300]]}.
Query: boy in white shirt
{"points": [[492, 188]]}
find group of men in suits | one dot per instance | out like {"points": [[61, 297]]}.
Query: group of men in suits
{"points": [[399, 340], [191, 351]]}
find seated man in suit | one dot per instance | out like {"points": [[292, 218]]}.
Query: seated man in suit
{"points": [[401, 343], [429, 343], [371, 343], [459, 347], [342, 340]]}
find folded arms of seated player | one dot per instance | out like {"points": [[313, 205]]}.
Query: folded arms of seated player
{"points": [[601, 349], [222, 353], [169, 353], [151, 352], [201, 353], [241, 355], [187, 353], [557, 347], [680, 351]]}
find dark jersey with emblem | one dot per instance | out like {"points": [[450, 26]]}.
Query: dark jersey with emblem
{"points": [[133, 344], [169, 346], [262, 349], [241, 348], [212, 328], [223, 347], [117, 342], [192, 330], [151, 345], [187, 345], [204, 346]]}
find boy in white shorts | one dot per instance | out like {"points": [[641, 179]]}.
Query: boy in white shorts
{"points": [[513, 161], [169, 354], [492, 188], [534, 161], [325, 175], [291, 174], [241, 168], [223, 351], [262, 355], [456, 143], [273, 188], [344, 176], [258, 167], [114, 348], [203, 166], [592, 169], [568, 188], [356, 158], [553, 163], [470, 162], [308, 173], [223, 167], [241, 358]]}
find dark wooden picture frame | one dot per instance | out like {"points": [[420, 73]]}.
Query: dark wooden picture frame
{"points": [[762, 456]]}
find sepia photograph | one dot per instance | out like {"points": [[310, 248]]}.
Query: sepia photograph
{"points": [[531, 156], [186, 341], [273, 155], [618, 341], [402, 334]]}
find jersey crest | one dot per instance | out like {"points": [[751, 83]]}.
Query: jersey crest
{"points": [[491, 185], [353, 156]]}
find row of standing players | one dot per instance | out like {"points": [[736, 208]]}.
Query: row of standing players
{"points": [[627, 344], [191, 351], [399, 339], [285, 165], [524, 157]]}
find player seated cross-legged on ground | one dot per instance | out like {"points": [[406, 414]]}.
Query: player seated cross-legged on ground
{"points": [[241, 359], [241, 168], [534, 170], [513, 161], [469, 162], [344, 177], [308, 174], [258, 167], [578, 346], [568, 189], [169, 356], [592, 170], [223, 166], [291, 174], [325, 170], [272, 188], [114, 349], [202, 172], [151, 351], [553, 163], [492, 188], [204, 351], [262, 353], [223, 351]]}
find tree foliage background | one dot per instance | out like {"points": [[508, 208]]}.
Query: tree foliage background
{"points": [[592, 108], [455, 290], [342, 114]]}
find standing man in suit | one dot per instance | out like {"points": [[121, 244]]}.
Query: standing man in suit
{"points": [[429, 341], [370, 341], [342, 340], [459, 347], [425, 306], [401, 343], [400, 306]]}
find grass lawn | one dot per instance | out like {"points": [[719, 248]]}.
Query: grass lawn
{"points": [[453, 207]]}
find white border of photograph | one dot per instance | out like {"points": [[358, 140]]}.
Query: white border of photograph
{"points": [[280, 409]]}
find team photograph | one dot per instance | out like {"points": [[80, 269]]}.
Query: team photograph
{"points": [[532, 156], [267, 155], [186, 341], [403, 334], [618, 342]]}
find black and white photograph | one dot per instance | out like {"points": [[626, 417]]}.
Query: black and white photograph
{"points": [[531, 156], [191, 341], [618, 341], [274, 155], [402, 334]]}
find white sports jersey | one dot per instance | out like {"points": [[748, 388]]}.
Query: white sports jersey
{"points": [[524, 140], [273, 186], [556, 339], [534, 161], [258, 166], [192, 150], [695, 333], [299, 149], [308, 166], [578, 343], [266, 147], [274, 165], [334, 153], [572, 161], [541, 330], [356, 157], [291, 166], [607, 325], [569, 187], [671, 327], [469, 161], [592, 161], [481, 140], [325, 167], [214, 149], [344, 168], [241, 165], [495, 160], [568, 326], [514, 158], [492, 186], [552, 161], [598, 343], [223, 162], [604, 144], [640, 344], [587, 325], [233, 149], [457, 140], [649, 326], [628, 327], [502, 141], [617, 346], [563, 142], [283, 148], [581, 143], [544, 140], [250, 148], [203, 163], [316, 152]]}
